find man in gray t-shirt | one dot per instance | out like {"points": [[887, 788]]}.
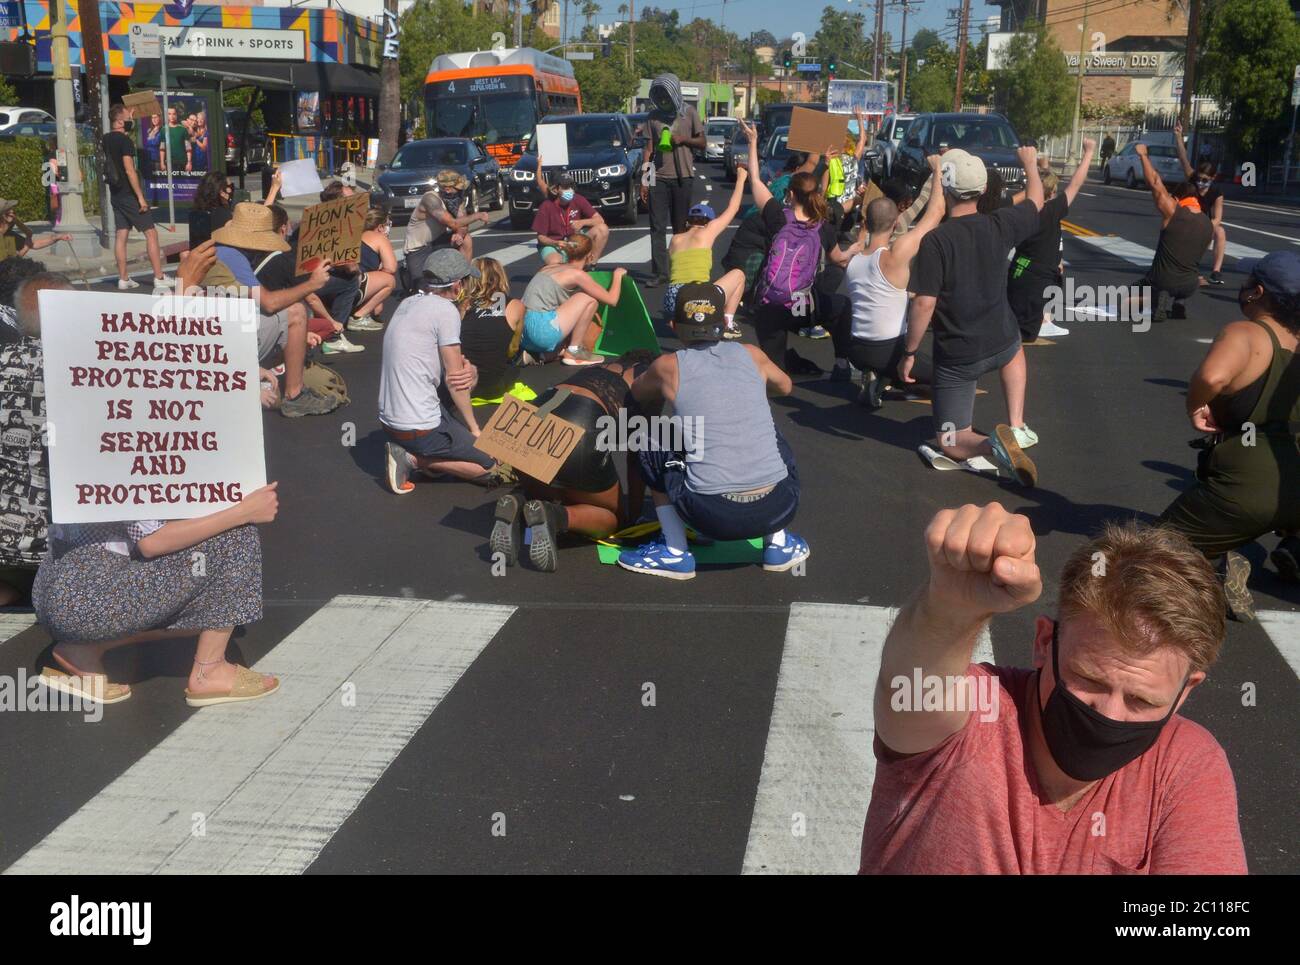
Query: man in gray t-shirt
{"points": [[422, 356]]}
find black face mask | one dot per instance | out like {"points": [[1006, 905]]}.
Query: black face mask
{"points": [[1088, 745], [128, 125]]}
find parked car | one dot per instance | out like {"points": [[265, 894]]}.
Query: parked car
{"points": [[413, 170], [254, 142], [772, 155], [737, 153], [9, 116], [880, 154], [47, 131], [717, 133], [1126, 166], [604, 158], [987, 136]]}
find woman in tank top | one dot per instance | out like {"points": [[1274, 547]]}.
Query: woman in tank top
{"points": [[1246, 395], [492, 328], [690, 256], [378, 271], [560, 302]]}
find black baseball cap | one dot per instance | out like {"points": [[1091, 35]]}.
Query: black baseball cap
{"points": [[700, 314]]}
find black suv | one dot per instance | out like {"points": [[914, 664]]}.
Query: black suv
{"points": [[604, 159], [987, 136]]}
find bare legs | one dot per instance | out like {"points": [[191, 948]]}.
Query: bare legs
{"points": [[215, 676], [151, 243], [295, 350], [380, 284], [1014, 376], [573, 318], [733, 286]]}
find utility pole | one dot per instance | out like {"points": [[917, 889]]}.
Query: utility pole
{"points": [[749, 99], [519, 23], [94, 95], [962, 22], [631, 33], [84, 238], [1075, 150], [390, 87], [1189, 60], [902, 76], [875, 47]]}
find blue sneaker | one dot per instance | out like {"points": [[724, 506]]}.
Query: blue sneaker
{"points": [[778, 559], [654, 559], [814, 331]]}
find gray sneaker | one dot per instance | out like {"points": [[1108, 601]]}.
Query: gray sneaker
{"points": [[580, 356], [307, 402]]}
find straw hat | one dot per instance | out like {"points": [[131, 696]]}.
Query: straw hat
{"points": [[251, 227], [452, 179]]}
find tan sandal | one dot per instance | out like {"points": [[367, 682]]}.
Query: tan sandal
{"points": [[94, 687], [248, 686]]}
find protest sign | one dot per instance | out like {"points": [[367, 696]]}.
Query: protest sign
{"points": [[553, 144], [152, 405], [145, 103], [535, 445], [869, 96], [299, 177], [813, 131], [332, 231]]}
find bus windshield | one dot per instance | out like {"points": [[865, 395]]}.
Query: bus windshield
{"points": [[497, 117]]}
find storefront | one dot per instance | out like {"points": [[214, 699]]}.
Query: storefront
{"points": [[709, 100]]}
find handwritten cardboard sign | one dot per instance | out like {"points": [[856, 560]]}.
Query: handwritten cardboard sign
{"points": [[813, 131], [145, 104], [535, 445], [152, 405], [332, 231]]}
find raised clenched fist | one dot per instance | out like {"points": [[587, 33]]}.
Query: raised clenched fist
{"points": [[981, 561]]}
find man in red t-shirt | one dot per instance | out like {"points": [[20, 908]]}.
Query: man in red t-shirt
{"points": [[563, 213], [1079, 766]]}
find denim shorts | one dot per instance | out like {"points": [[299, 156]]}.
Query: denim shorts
{"points": [[670, 299], [540, 332]]}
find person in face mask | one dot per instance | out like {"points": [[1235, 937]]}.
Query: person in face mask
{"points": [[1081, 765], [1245, 397], [675, 131], [565, 213], [126, 192]]}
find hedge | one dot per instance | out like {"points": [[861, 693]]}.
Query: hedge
{"points": [[23, 162]]}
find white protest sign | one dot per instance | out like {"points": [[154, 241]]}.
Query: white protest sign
{"points": [[299, 177], [553, 144], [152, 405]]}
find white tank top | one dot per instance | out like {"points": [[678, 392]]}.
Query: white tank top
{"points": [[879, 309]]}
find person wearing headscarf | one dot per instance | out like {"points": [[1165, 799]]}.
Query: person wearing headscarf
{"points": [[675, 130]]}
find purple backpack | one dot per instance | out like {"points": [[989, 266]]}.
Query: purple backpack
{"points": [[793, 260]]}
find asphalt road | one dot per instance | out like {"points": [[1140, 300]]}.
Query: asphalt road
{"points": [[591, 720]]}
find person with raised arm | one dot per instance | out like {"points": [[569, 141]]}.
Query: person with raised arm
{"points": [[1201, 178], [1184, 235]]}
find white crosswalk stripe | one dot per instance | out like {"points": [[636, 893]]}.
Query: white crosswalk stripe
{"points": [[269, 782], [1283, 628], [1234, 250], [1130, 251], [12, 624], [635, 253], [819, 765], [512, 253]]}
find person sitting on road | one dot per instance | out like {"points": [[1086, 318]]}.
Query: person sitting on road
{"points": [[342, 291], [276, 273], [213, 204], [799, 240], [690, 256], [561, 301], [877, 278], [959, 284], [1037, 264], [13, 272], [1246, 394], [565, 213], [738, 479], [1184, 236], [24, 459], [106, 585], [422, 355], [492, 329], [15, 237], [749, 244], [378, 271], [1011, 772], [282, 325], [1201, 178], [433, 225], [585, 496]]}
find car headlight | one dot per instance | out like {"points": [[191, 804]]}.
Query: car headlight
{"points": [[612, 171], [521, 175]]}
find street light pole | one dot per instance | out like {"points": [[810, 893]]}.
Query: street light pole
{"points": [[1075, 150], [85, 241], [961, 53]]}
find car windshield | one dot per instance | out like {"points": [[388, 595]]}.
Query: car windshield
{"points": [[719, 130], [428, 156], [777, 149], [900, 129], [974, 134], [585, 135]]}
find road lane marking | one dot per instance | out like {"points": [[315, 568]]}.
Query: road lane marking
{"points": [[1077, 230], [1119, 247], [1261, 231], [12, 624], [636, 253], [1234, 250], [512, 253], [1283, 629], [274, 779], [819, 760]]}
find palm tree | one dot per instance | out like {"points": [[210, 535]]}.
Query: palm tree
{"points": [[590, 9]]}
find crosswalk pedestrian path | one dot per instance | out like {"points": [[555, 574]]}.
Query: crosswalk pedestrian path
{"points": [[263, 787], [1141, 255]]}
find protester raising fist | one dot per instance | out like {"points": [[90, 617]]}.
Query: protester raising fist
{"points": [[981, 562]]}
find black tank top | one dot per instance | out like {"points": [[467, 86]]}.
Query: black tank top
{"points": [[605, 384], [485, 338], [1271, 402], [369, 258], [1181, 244]]}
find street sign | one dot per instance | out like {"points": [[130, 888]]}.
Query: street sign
{"points": [[10, 16], [144, 39], [809, 68], [579, 55]]}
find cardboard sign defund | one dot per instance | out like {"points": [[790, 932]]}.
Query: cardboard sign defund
{"points": [[535, 445], [332, 231], [145, 104], [813, 131]]}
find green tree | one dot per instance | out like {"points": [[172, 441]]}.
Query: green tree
{"points": [[434, 27], [930, 88], [924, 39], [841, 34], [1034, 85], [1248, 58], [606, 82], [590, 10], [7, 94]]}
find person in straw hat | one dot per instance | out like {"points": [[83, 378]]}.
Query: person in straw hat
{"points": [[438, 222], [243, 244]]}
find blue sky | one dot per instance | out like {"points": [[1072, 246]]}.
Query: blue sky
{"points": [[783, 17]]}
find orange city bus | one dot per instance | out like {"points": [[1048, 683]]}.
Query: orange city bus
{"points": [[496, 97]]}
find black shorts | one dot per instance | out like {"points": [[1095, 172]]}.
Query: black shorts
{"points": [[127, 214], [589, 468]]}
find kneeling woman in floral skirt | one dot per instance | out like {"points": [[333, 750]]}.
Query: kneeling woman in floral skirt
{"points": [[105, 585]]}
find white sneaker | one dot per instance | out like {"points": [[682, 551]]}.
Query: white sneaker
{"points": [[1025, 436], [340, 345], [1052, 330], [162, 281], [126, 284]]}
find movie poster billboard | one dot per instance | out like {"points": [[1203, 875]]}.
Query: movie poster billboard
{"points": [[307, 112], [186, 130]]}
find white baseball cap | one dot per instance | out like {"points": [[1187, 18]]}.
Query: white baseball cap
{"points": [[963, 173]]}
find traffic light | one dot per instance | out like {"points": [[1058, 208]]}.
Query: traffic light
{"points": [[787, 59], [832, 65]]}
